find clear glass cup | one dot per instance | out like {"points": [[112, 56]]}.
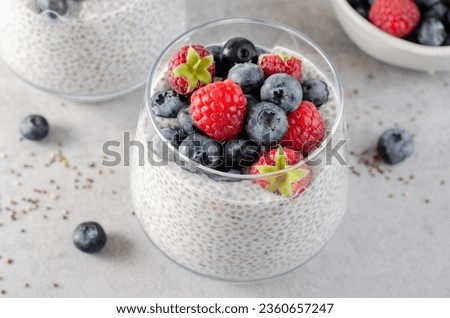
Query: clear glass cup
{"points": [[87, 50], [226, 226]]}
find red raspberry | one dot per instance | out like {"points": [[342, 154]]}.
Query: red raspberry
{"points": [[306, 129], [219, 109], [396, 17], [280, 63], [191, 68], [289, 184]]}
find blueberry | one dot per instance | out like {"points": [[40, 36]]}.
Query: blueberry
{"points": [[34, 127], [426, 3], [221, 67], [248, 76], [238, 50], [168, 103], [447, 42], [438, 11], [202, 150], [431, 32], [282, 90], [361, 6], [260, 50], [315, 91], [185, 121], [172, 136], [395, 145], [240, 153], [252, 100], [57, 6], [266, 124], [224, 178], [216, 52], [89, 237]]}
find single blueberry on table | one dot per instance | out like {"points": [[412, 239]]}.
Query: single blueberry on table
{"points": [[57, 6], [202, 150], [34, 127], [395, 145], [266, 124], [168, 103], [248, 76], [240, 153], [238, 50], [431, 32], [282, 90], [89, 237], [316, 92]]}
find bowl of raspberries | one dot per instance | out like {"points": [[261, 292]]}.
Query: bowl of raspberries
{"points": [[413, 34]]}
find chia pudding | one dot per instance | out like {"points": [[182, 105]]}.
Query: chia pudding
{"points": [[233, 228], [89, 49]]}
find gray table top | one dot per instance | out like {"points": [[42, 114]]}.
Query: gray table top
{"points": [[394, 240]]}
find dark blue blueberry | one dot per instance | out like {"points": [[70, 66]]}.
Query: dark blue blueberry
{"points": [[34, 127], [438, 11], [266, 124], [216, 51], [260, 50], [248, 76], [361, 6], [89, 237], [202, 150], [218, 178], [170, 136], [221, 67], [168, 103], [426, 3], [252, 100], [431, 32], [447, 42], [185, 121], [282, 90], [395, 145], [315, 91], [238, 50], [240, 153], [57, 6]]}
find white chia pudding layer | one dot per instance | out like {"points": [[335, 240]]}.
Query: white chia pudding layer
{"points": [[97, 47], [237, 230]]}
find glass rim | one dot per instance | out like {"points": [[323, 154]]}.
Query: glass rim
{"points": [[249, 20]]}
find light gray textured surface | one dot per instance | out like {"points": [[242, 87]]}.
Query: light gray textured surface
{"points": [[394, 240]]}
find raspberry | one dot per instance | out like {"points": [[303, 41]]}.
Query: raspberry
{"points": [[396, 17], [306, 129], [288, 184], [280, 63], [191, 68], [219, 109]]}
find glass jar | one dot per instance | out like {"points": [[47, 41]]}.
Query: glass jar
{"points": [[87, 50], [224, 225]]}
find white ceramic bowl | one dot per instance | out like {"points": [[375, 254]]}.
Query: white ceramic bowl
{"points": [[388, 48]]}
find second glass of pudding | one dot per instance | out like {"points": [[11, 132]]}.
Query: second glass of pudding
{"points": [[87, 50], [228, 225]]}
